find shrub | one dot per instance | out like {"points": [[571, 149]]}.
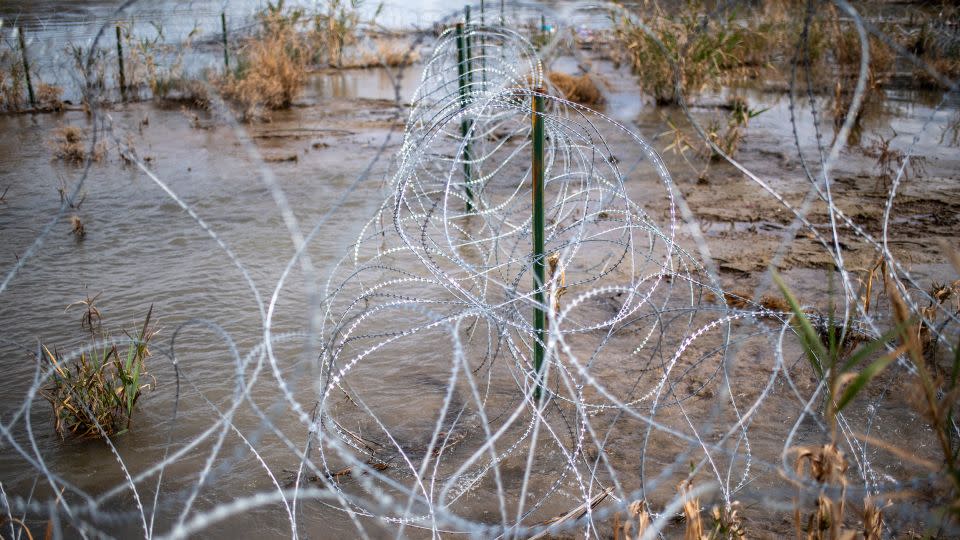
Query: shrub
{"points": [[273, 65], [578, 88]]}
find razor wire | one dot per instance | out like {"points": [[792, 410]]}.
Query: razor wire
{"points": [[439, 282]]}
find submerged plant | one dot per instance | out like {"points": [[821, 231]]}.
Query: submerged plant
{"points": [[96, 395], [70, 145]]}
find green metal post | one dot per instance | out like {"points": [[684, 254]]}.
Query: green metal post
{"points": [[26, 67], [465, 124], [226, 49], [466, 39], [539, 311], [483, 47], [123, 78]]}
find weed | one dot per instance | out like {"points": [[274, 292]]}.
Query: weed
{"points": [[48, 97], [637, 516], [11, 82], [69, 145], [727, 136], [386, 53], [96, 396], [693, 529], [91, 66], [336, 29], [936, 42], [151, 64], [727, 522], [834, 360], [76, 227], [62, 190], [272, 65], [92, 317], [578, 88], [830, 356], [828, 467], [891, 160], [699, 50]]}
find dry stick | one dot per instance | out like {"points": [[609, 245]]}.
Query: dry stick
{"points": [[123, 78], [226, 49], [538, 251], [26, 67], [572, 515], [462, 60]]}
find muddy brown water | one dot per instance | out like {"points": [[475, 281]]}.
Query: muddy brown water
{"points": [[141, 249]]}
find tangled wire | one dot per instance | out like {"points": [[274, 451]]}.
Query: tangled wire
{"points": [[653, 373]]}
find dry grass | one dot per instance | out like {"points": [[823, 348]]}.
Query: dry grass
{"points": [[96, 395], [387, 53], [48, 97], [11, 82], [890, 160], [578, 88], [70, 145], [76, 228], [334, 30], [637, 517], [272, 70], [702, 57]]}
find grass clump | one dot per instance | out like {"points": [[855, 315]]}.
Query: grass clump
{"points": [[847, 366], [335, 29], [698, 54], [97, 394], [70, 145], [152, 64], [272, 64], [577, 88], [11, 82]]}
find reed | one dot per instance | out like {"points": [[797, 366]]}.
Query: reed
{"points": [[96, 395]]}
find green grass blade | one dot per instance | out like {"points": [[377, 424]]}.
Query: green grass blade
{"points": [[811, 340], [873, 346], [864, 377]]}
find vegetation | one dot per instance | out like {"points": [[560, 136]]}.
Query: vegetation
{"points": [[71, 146], [151, 64], [11, 82], [678, 46], [96, 395], [272, 65], [578, 88]]}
